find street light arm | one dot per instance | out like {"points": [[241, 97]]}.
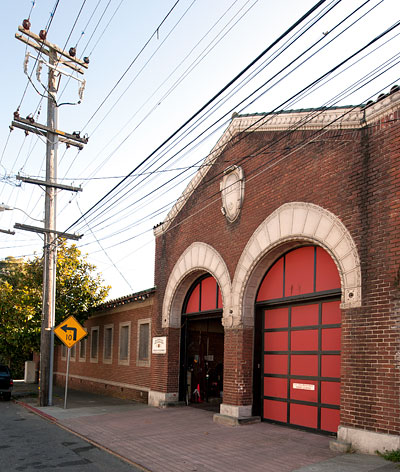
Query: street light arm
{"points": [[6, 208]]}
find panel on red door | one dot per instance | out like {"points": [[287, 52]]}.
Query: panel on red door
{"points": [[275, 410], [208, 294], [276, 364], [277, 318], [272, 285], [327, 273], [304, 340], [331, 339], [299, 272], [330, 419], [331, 313], [330, 393], [304, 415], [304, 315], [304, 390], [193, 305], [330, 366], [276, 341], [304, 364], [275, 387]]}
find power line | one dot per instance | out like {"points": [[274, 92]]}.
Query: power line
{"points": [[250, 95], [106, 27], [171, 88], [130, 65], [205, 106], [310, 116], [108, 256]]}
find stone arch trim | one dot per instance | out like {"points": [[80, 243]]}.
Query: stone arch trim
{"points": [[289, 226], [198, 258]]}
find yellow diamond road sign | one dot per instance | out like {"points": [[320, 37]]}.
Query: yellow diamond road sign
{"points": [[70, 331]]}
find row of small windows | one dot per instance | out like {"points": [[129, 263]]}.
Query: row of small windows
{"points": [[124, 343]]}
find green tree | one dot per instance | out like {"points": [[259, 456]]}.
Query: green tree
{"points": [[78, 290]]}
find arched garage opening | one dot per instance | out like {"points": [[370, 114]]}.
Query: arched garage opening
{"points": [[297, 341], [202, 345]]}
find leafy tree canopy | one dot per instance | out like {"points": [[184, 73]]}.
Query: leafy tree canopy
{"points": [[79, 290]]}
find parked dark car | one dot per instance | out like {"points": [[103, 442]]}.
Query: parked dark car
{"points": [[6, 382]]}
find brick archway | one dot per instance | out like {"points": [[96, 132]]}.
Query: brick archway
{"points": [[198, 258], [290, 226]]}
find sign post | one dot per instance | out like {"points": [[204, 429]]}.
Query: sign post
{"points": [[69, 331], [66, 378]]}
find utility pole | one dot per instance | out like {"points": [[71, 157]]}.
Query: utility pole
{"points": [[56, 59], [50, 242]]}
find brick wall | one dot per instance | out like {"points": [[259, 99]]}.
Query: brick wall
{"points": [[353, 173], [238, 366], [125, 380]]}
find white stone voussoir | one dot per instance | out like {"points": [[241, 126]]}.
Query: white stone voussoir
{"points": [[198, 258], [293, 225]]}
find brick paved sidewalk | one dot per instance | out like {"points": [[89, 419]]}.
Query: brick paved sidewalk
{"points": [[186, 439]]}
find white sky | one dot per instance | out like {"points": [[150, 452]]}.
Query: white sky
{"points": [[166, 84]]}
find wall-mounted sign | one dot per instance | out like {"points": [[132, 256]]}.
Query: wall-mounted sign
{"points": [[159, 345], [303, 386]]}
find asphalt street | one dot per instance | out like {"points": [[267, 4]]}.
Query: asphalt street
{"points": [[30, 443]]}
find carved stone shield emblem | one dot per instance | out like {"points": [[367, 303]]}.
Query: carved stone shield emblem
{"points": [[232, 192]]}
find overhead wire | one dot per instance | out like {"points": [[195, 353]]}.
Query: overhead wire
{"points": [[29, 76], [346, 90], [124, 126], [204, 107], [132, 205], [142, 198], [132, 81], [157, 101], [80, 38], [48, 24], [130, 66], [143, 67], [169, 229], [235, 106], [108, 257], [105, 29], [208, 47], [204, 206]]}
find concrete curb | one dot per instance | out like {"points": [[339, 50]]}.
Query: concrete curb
{"points": [[37, 411]]}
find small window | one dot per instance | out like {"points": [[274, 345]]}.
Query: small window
{"points": [[94, 344], [108, 344], [143, 343], [63, 351], [124, 343], [82, 349]]}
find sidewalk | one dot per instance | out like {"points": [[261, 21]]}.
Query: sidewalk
{"points": [[186, 439]]}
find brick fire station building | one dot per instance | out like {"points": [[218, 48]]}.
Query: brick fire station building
{"points": [[277, 282]]}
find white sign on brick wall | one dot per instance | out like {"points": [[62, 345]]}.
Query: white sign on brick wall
{"points": [[159, 345]]}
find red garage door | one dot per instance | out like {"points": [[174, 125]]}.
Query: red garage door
{"points": [[301, 340]]}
